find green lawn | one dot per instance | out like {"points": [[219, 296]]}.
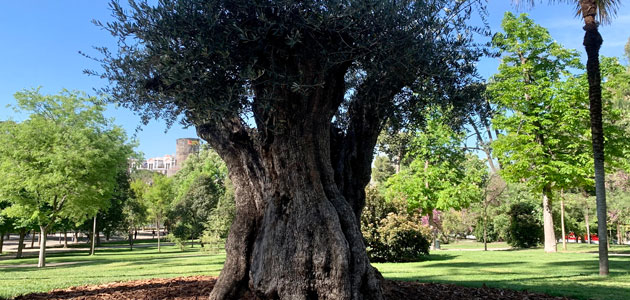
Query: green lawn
{"points": [[468, 244], [570, 273], [106, 266]]}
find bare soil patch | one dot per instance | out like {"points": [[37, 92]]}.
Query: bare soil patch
{"points": [[199, 287]]}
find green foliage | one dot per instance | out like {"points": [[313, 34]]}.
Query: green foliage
{"points": [[543, 109], [390, 233], [383, 169], [525, 230], [221, 217], [159, 196], [458, 224], [403, 239], [243, 49], [440, 176], [63, 161], [190, 213]]}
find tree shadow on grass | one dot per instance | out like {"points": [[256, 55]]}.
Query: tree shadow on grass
{"points": [[148, 289]]}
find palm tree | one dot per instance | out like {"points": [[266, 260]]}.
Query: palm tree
{"points": [[595, 12]]}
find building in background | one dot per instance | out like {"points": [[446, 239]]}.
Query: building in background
{"points": [[169, 164]]}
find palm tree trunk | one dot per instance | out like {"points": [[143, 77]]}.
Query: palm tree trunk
{"points": [[592, 42]]}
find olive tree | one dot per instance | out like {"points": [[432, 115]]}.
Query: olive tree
{"points": [[292, 95]]}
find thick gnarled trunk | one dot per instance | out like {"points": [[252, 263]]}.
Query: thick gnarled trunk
{"points": [[299, 192], [295, 235]]}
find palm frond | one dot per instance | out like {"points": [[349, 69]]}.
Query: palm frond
{"points": [[606, 9]]}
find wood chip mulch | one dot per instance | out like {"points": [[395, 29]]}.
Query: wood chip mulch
{"points": [[199, 287]]}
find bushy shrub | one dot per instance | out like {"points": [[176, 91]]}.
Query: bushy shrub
{"points": [[525, 230], [404, 239], [390, 233]]}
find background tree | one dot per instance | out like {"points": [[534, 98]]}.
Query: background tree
{"points": [[591, 11], [6, 223], [440, 176], [159, 197], [538, 118], [62, 161], [191, 212], [320, 79], [134, 210]]}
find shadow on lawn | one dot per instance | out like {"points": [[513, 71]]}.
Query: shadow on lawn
{"points": [[151, 289]]}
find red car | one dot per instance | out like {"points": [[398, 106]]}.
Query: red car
{"points": [[573, 238]]}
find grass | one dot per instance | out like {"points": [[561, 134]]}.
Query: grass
{"points": [[571, 273], [108, 265], [470, 244]]}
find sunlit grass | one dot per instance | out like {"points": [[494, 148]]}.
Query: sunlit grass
{"points": [[572, 273], [106, 266]]}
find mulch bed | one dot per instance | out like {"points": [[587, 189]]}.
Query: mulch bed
{"points": [[199, 287]]}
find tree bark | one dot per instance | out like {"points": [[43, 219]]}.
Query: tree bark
{"points": [[592, 43], [296, 234], [588, 226], [32, 238], [42, 247], [485, 224], [1, 241], [130, 240], [94, 233], [564, 234], [157, 225], [20, 243], [550, 235], [65, 239]]}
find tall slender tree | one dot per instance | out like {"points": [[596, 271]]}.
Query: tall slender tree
{"points": [[595, 12]]}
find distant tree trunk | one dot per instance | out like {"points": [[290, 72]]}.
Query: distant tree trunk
{"points": [[1, 241], [98, 238], [76, 237], [550, 235], [135, 234], [157, 225], [94, 233], [32, 238], [42, 247], [592, 43], [65, 239], [588, 226], [131, 240], [564, 234], [20, 243], [485, 225]]}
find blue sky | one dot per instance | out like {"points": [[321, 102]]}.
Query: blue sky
{"points": [[41, 41]]}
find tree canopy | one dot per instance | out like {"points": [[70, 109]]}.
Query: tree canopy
{"points": [[63, 161]]}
